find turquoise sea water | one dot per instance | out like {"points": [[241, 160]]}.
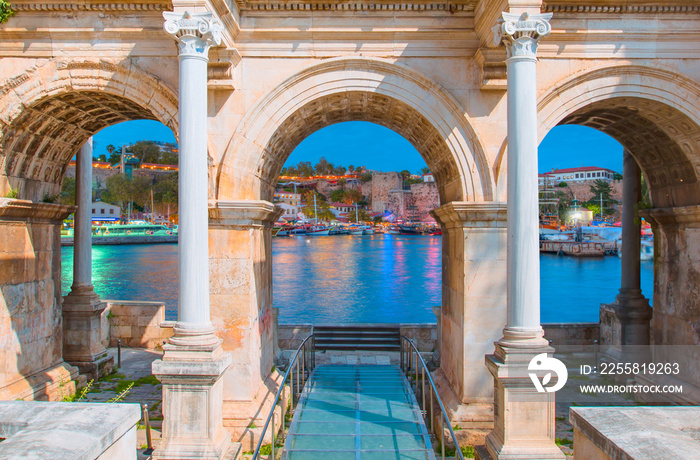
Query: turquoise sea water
{"points": [[378, 278]]}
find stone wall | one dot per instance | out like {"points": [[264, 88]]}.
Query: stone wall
{"points": [[397, 202], [425, 198], [31, 331], [382, 183], [565, 334], [136, 324]]}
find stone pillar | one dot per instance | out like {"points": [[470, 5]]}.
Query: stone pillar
{"points": [[194, 360], [240, 237], [524, 425], [82, 308], [625, 322], [473, 279]]}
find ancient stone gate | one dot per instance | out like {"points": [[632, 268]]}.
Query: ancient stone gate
{"points": [[282, 70]]}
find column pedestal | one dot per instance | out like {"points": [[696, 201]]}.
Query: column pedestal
{"points": [[524, 425], [192, 394], [82, 341], [624, 328]]}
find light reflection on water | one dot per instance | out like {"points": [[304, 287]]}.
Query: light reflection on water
{"points": [[378, 278]]}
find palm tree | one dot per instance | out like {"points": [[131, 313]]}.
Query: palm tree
{"points": [[425, 170]]}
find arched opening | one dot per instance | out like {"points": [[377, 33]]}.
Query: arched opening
{"points": [[652, 113], [400, 99], [46, 117], [373, 278], [134, 182], [581, 184]]}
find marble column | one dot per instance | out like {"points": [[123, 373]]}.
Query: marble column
{"points": [[82, 308], [523, 417], [625, 322], [194, 360]]}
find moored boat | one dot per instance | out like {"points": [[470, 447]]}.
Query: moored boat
{"points": [[318, 231], [127, 234]]}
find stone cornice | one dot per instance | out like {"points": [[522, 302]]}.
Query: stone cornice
{"points": [[357, 5], [144, 5], [672, 216], [616, 8], [465, 214], [244, 213], [13, 209]]}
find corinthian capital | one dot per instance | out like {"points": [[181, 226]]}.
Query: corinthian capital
{"points": [[194, 32], [521, 34]]}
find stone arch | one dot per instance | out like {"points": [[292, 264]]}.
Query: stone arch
{"points": [[348, 89], [653, 112], [51, 109]]}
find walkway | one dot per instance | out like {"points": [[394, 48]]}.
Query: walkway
{"points": [[355, 412]]}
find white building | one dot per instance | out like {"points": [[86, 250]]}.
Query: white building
{"points": [[581, 174], [290, 211], [103, 212], [428, 177], [288, 197]]}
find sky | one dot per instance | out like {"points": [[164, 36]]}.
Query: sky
{"points": [[360, 143]]}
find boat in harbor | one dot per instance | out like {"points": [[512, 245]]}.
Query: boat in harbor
{"points": [[318, 231], [127, 234], [409, 230], [575, 248]]}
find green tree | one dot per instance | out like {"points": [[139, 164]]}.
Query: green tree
{"points": [[425, 170], [602, 191], [114, 158], [351, 168], [337, 196], [322, 166], [165, 192], [67, 195], [366, 177], [617, 176], [352, 196], [145, 151], [102, 157], [378, 219], [5, 11]]}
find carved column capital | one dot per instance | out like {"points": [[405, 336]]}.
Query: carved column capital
{"points": [[521, 33], [195, 33]]}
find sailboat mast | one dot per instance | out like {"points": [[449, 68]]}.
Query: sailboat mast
{"points": [[315, 215], [153, 212], [357, 216]]}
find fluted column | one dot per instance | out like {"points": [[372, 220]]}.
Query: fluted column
{"points": [[82, 308], [194, 361], [523, 417]]}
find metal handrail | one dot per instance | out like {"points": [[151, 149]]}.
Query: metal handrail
{"points": [[307, 365], [409, 357]]}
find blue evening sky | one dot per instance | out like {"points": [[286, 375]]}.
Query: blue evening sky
{"points": [[360, 143]]}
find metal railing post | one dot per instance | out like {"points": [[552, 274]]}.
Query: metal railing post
{"points": [[442, 436], [147, 425], [272, 445]]}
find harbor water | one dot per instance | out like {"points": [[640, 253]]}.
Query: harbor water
{"points": [[355, 279]]}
